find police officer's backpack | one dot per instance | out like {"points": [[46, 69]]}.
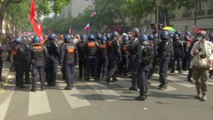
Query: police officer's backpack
{"points": [[146, 55]]}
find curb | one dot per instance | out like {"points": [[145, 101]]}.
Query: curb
{"points": [[5, 71]]}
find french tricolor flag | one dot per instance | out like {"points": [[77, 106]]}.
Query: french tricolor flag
{"points": [[87, 27], [93, 14]]}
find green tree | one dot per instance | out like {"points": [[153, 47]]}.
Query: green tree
{"points": [[22, 8]]}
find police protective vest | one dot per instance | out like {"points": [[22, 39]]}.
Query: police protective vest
{"points": [[146, 55], [20, 53], [91, 48], [70, 51], [38, 54], [103, 49]]}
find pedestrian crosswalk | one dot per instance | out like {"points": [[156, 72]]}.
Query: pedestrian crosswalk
{"points": [[78, 96]]}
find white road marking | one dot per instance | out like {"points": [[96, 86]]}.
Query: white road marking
{"points": [[75, 99], [181, 82], [4, 106], [108, 94], [169, 88], [38, 103]]}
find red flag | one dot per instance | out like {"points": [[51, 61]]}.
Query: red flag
{"points": [[93, 14], [35, 22], [87, 28]]}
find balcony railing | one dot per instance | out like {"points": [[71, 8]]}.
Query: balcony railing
{"points": [[172, 16], [210, 12], [200, 13], [187, 15]]}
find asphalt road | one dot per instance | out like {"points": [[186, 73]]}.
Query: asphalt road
{"points": [[98, 101]]}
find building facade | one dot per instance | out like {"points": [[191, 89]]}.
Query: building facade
{"points": [[75, 8], [201, 16]]}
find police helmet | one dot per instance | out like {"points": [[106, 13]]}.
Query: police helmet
{"points": [[151, 37], [91, 37], [135, 29], [36, 39], [98, 36], [18, 39], [83, 37], [68, 38], [115, 34], [171, 34], [108, 36], [142, 38], [103, 38], [176, 36], [188, 33], [52, 36], [164, 35], [211, 35], [126, 39], [178, 32]]}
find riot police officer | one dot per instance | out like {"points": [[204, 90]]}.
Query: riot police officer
{"points": [[165, 53], [125, 56], [114, 57], [155, 64], [102, 58], [187, 56], [144, 67], [68, 60], [52, 60], [38, 58], [27, 62], [135, 57], [91, 57], [81, 56], [19, 57], [178, 54]]}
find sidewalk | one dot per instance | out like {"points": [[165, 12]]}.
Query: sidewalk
{"points": [[5, 71]]}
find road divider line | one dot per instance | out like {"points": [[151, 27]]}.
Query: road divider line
{"points": [[180, 82], [169, 88], [38, 103], [4, 106], [102, 90], [75, 99]]}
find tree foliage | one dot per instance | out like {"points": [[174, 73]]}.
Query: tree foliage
{"points": [[111, 11], [20, 11]]}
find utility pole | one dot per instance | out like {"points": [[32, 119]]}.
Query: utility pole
{"points": [[157, 4]]}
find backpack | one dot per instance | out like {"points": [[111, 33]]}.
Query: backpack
{"points": [[146, 55]]}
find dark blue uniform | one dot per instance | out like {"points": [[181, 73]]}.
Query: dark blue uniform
{"points": [[68, 56], [165, 53], [27, 62], [38, 58], [125, 59], [52, 62], [135, 56], [144, 69], [19, 59], [81, 58], [102, 60], [114, 57], [91, 59], [178, 54]]}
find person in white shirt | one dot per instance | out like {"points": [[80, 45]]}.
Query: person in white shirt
{"points": [[201, 52]]}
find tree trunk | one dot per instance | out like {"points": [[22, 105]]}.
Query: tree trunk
{"points": [[3, 8]]}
